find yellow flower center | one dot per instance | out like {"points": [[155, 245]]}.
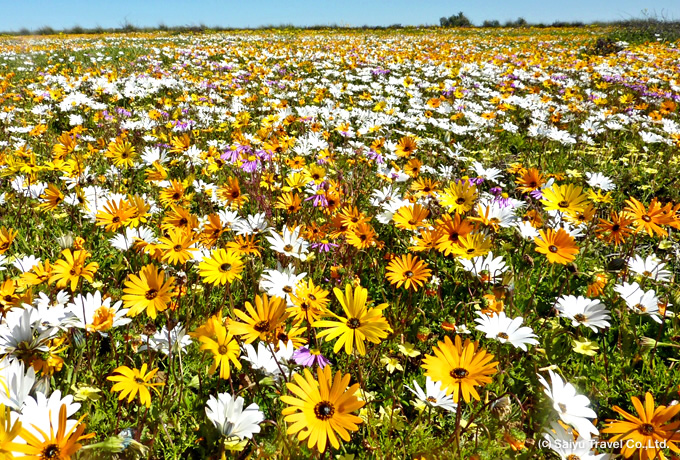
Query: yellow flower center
{"points": [[288, 248], [580, 318], [502, 335]]}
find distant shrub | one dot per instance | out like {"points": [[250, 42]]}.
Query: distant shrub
{"points": [[650, 29], [457, 20], [491, 23], [45, 30], [519, 22]]}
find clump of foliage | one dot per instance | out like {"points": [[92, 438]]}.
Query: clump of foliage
{"points": [[456, 20]]}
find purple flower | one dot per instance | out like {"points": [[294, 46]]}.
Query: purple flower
{"points": [[503, 202], [319, 198], [306, 357], [230, 155], [537, 194], [373, 155], [324, 246]]}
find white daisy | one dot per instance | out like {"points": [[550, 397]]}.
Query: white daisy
{"points": [[290, 244], [433, 395], [599, 180], [504, 329], [649, 267], [487, 268], [281, 283], [26, 263], [253, 224], [571, 407], [270, 363], [583, 311], [163, 340], [17, 383], [641, 302], [228, 415]]}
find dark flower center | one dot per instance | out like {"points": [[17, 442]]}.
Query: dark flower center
{"points": [[225, 267], [459, 373], [616, 227], [51, 451], [432, 399], [177, 248], [288, 248], [262, 326], [647, 429], [563, 204], [552, 248], [324, 410], [353, 323], [580, 318], [646, 218], [408, 274], [502, 335], [460, 200], [151, 294], [222, 349]]}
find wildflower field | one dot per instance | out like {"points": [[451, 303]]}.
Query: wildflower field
{"points": [[339, 244]]}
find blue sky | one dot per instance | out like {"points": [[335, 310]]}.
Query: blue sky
{"points": [[33, 14]]}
